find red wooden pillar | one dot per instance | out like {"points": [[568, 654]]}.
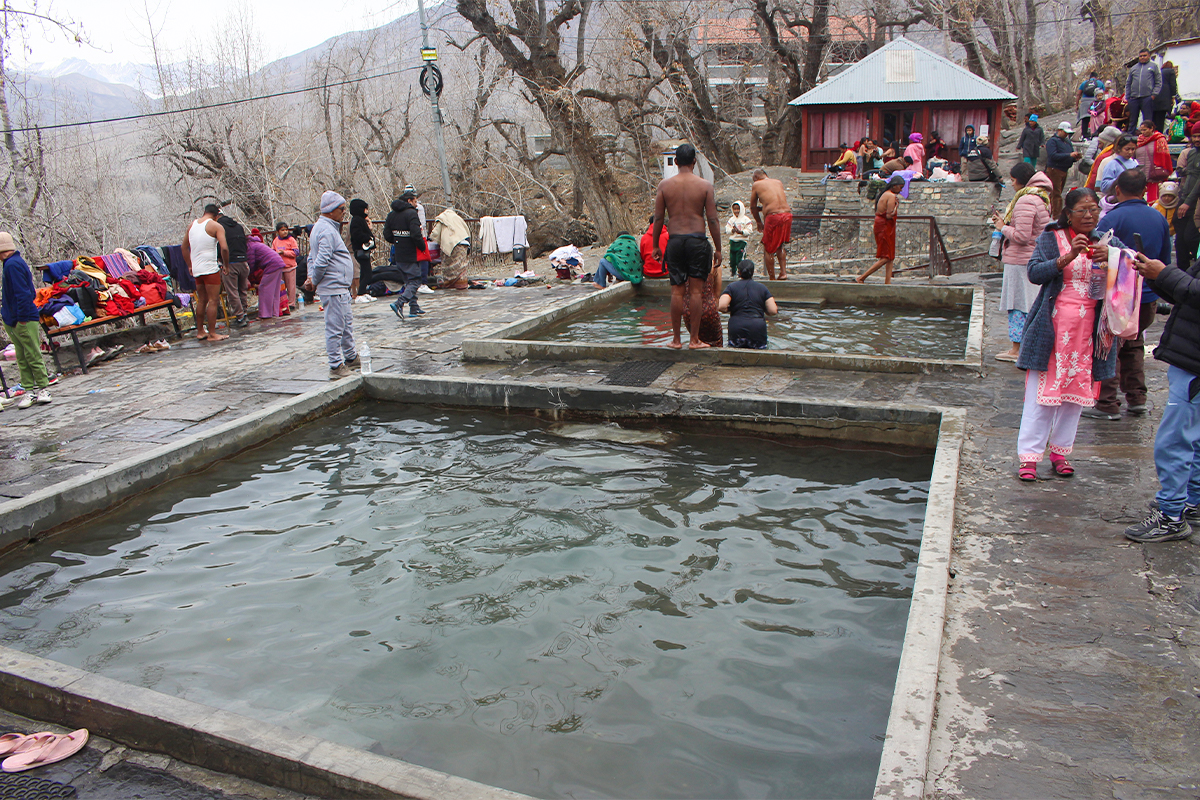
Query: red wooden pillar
{"points": [[803, 139]]}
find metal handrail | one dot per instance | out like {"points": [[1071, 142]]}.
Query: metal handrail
{"points": [[939, 257]]}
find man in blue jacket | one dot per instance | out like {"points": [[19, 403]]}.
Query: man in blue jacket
{"points": [[21, 322], [1178, 440], [1132, 216]]}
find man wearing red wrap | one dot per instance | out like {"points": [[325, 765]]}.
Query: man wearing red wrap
{"points": [[768, 196]]}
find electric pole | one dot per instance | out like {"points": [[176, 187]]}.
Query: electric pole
{"points": [[431, 84]]}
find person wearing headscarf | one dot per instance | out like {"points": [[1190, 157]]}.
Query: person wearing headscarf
{"points": [[739, 226], [1168, 202], [1021, 224], [1104, 145], [1154, 155], [362, 243], [916, 151]]}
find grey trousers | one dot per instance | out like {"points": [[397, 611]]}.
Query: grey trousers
{"points": [[236, 281], [339, 329]]}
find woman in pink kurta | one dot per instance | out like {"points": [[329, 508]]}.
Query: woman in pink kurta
{"points": [[916, 151]]}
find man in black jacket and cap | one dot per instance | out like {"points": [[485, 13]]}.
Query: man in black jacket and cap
{"points": [[403, 229], [1178, 439]]}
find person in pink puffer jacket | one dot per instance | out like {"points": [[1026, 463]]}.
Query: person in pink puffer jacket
{"points": [[1023, 221]]}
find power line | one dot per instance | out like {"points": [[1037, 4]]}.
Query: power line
{"points": [[208, 106]]}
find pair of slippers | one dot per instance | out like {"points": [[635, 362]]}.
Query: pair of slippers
{"points": [[21, 752], [154, 347], [100, 354]]}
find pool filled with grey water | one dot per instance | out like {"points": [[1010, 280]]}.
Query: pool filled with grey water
{"points": [[565, 611], [930, 333]]}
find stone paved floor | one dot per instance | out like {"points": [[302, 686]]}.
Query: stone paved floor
{"points": [[1070, 663]]}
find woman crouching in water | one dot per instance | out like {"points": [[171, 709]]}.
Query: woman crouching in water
{"points": [[1062, 377], [748, 303]]}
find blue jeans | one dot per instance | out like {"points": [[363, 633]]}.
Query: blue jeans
{"points": [[1176, 446], [1139, 106], [603, 270]]}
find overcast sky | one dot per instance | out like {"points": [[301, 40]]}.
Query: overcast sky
{"points": [[119, 32]]}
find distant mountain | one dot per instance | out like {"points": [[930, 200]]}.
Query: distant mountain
{"points": [[139, 76], [72, 97]]}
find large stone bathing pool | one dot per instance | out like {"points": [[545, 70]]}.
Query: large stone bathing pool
{"points": [[563, 610], [814, 327]]}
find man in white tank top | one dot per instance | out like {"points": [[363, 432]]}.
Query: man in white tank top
{"points": [[207, 257]]}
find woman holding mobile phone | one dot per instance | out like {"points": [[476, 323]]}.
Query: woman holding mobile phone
{"points": [[1061, 376]]}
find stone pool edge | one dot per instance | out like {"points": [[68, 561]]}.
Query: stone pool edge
{"points": [[55, 692], [95, 492], [222, 741], [905, 761], [506, 343]]}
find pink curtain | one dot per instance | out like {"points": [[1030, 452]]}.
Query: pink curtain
{"points": [[843, 126], [950, 123], [816, 126]]}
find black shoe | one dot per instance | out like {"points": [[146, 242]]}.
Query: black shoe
{"points": [[397, 309], [1138, 410], [240, 322], [414, 310], [1191, 515], [1096, 413], [1157, 527]]}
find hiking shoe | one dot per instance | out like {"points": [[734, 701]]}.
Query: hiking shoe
{"points": [[1138, 410], [397, 309], [1191, 515], [43, 397], [342, 371], [240, 322], [26, 400], [1157, 527], [1096, 413], [414, 310], [354, 363]]}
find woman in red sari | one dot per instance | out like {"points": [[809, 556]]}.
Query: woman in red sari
{"points": [[1152, 149]]}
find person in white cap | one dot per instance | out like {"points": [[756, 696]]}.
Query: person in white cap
{"points": [[21, 322], [1060, 157], [330, 273]]}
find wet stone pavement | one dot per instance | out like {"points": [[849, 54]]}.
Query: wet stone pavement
{"points": [[1071, 657]]}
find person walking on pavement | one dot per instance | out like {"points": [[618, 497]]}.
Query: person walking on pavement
{"points": [[206, 255], [403, 229], [1060, 157], [20, 317], [1176, 445], [236, 275], [1142, 85], [1031, 140], [330, 273], [1132, 216]]}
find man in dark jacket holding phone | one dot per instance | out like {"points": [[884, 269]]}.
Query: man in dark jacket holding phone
{"points": [[1177, 505]]}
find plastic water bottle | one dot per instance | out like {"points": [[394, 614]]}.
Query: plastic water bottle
{"points": [[300, 301], [994, 246], [365, 355], [1098, 275]]}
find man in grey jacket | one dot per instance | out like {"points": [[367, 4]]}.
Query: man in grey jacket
{"points": [[1143, 83], [330, 272]]}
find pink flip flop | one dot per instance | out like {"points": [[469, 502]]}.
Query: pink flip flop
{"points": [[55, 748], [12, 743]]}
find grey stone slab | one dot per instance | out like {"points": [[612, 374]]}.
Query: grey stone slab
{"points": [[199, 408]]}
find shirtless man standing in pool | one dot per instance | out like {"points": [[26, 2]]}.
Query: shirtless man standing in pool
{"points": [[777, 228], [688, 201]]}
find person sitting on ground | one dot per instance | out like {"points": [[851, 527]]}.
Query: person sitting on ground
{"points": [[1021, 224], [895, 165], [1176, 507], [846, 161], [1122, 159], [872, 159], [977, 163], [622, 260], [890, 151], [748, 304], [21, 323], [651, 266], [288, 247], [1059, 340], [739, 226]]}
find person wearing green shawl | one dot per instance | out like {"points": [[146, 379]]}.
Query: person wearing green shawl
{"points": [[623, 261], [1022, 223]]}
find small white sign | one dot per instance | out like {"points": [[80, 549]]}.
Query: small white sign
{"points": [[983, 130]]}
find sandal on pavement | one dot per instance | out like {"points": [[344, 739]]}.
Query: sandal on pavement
{"points": [[55, 750], [1028, 471], [1062, 467], [1005, 357], [23, 744]]}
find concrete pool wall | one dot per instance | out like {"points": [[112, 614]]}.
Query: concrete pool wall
{"points": [[516, 342], [219, 740]]}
